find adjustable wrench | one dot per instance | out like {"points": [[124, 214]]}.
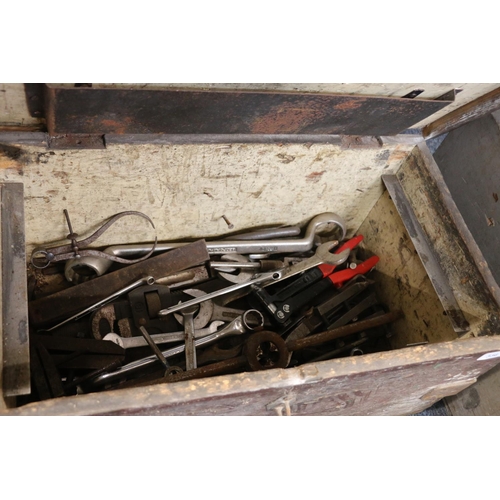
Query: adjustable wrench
{"points": [[322, 256]]}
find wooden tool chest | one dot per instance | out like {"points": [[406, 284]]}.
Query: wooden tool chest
{"points": [[186, 184]]}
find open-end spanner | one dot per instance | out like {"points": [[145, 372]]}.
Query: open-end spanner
{"points": [[322, 256], [218, 312], [242, 275], [239, 326], [246, 268], [161, 338], [189, 341]]}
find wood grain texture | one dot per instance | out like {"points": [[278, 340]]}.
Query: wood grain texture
{"points": [[14, 315], [470, 111], [479, 400], [389, 383], [400, 279], [468, 161], [13, 107], [186, 189], [437, 215]]}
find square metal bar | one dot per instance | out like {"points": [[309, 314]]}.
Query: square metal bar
{"points": [[15, 336]]}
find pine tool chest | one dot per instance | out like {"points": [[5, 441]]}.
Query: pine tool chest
{"points": [[248, 250]]}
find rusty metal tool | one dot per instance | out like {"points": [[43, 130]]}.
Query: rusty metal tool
{"points": [[321, 223], [58, 306], [81, 354], [103, 321], [263, 350], [148, 280], [321, 256], [154, 347], [344, 331], [239, 326], [217, 352], [320, 315], [190, 277]]}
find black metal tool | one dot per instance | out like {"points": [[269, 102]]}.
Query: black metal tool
{"points": [[283, 309], [321, 314]]}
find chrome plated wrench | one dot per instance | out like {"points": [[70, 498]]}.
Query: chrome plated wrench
{"points": [[322, 256], [319, 223], [160, 338], [239, 326]]}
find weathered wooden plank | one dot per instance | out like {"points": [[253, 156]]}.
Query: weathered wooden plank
{"points": [[468, 112], [14, 313], [400, 382], [468, 162], [437, 212], [400, 279], [480, 399], [185, 189]]}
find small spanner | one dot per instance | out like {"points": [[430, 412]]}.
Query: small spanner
{"points": [[322, 256], [161, 338], [217, 312]]}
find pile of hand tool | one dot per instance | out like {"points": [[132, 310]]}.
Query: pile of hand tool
{"points": [[269, 298]]}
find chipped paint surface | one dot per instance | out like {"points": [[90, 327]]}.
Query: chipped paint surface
{"points": [[186, 189], [13, 107], [401, 280], [400, 382]]}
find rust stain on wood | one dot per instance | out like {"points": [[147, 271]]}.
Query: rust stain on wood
{"points": [[315, 176], [398, 155], [10, 157]]}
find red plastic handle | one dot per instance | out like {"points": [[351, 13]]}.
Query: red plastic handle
{"points": [[340, 277], [328, 269]]}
